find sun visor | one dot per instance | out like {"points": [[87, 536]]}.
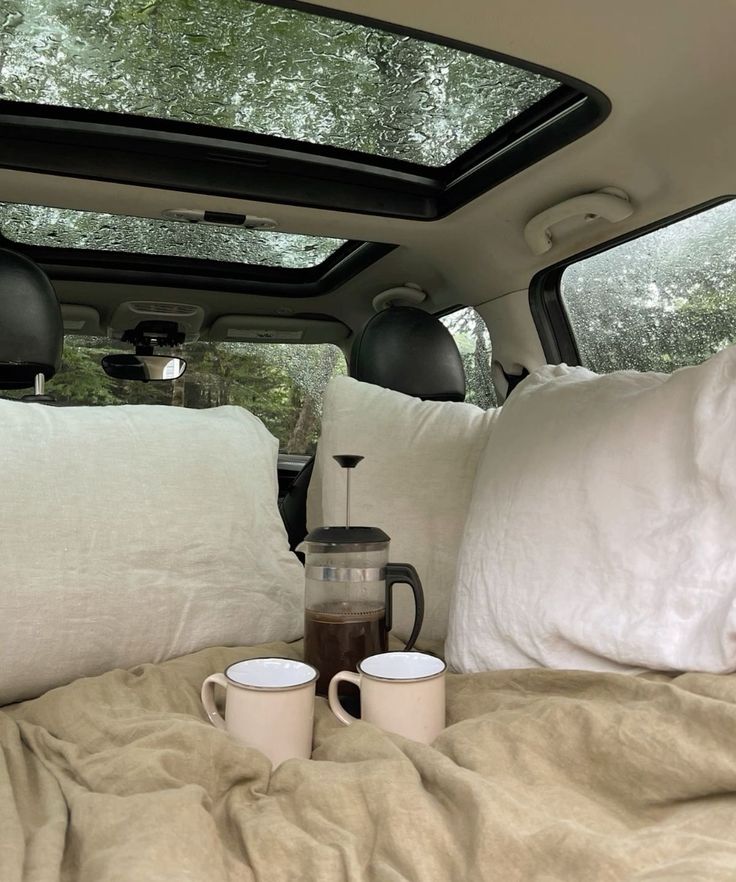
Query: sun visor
{"points": [[276, 329]]}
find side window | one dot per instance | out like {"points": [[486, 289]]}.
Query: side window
{"points": [[280, 383], [474, 342], [659, 302]]}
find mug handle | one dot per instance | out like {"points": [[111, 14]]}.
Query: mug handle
{"points": [[405, 574], [335, 706], [208, 698]]}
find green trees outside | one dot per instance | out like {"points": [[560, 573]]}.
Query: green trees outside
{"points": [[260, 68], [281, 384], [97, 231], [474, 342], [659, 302]]}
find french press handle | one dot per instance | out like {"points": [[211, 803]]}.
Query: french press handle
{"points": [[405, 574]]}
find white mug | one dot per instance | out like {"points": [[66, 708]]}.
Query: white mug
{"points": [[269, 705], [401, 692]]}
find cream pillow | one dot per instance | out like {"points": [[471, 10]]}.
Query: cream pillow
{"points": [[133, 534], [415, 482], [602, 529]]}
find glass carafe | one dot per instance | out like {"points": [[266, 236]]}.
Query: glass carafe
{"points": [[347, 606]]}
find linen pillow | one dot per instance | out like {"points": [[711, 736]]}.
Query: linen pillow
{"points": [[415, 482], [132, 534], [602, 525]]}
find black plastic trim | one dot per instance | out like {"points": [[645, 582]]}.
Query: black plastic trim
{"points": [[545, 296], [171, 155]]}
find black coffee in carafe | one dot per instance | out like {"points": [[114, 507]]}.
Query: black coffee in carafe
{"points": [[342, 634], [347, 609]]}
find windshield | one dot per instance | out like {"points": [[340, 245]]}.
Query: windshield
{"points": [[281, 383]]}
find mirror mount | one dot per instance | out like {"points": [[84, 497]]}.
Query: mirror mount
{"points": [[144, 366], [145, 335]]}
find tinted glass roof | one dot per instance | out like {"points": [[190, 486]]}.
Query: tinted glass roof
{"points": [[93, 231], [264, 69]]}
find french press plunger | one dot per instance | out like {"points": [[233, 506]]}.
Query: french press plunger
{"points": [[348, 596]]}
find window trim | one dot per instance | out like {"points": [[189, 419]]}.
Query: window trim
{"points": [[547, 305], [166, 154]]}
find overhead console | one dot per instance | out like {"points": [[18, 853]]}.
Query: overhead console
{"points": [[187, 317]]}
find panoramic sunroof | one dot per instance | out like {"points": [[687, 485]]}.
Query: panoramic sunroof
{"points": [[265, 69], [64, 228]]}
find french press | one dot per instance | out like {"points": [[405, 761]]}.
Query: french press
{"points": [[348, 595]]}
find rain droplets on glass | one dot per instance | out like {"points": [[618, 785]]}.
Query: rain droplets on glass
{"points": [[245, 65], [659, 302]]}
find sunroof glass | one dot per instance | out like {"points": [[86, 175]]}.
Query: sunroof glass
{"points": [[90, 230], [264, 69]]}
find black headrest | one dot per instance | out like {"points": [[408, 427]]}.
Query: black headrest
{"points": [[410, 351], [31, 327]]}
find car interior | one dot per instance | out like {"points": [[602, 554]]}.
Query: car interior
{"points": [[282, 283]]}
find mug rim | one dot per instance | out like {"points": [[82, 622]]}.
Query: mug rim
{"points": [[313, 679], [422, 678]]}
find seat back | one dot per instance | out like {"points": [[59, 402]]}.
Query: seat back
{"points": [[31, 327], [401, 348], [408, 350]]}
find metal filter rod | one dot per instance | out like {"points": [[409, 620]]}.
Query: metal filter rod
{"points": [[348, 462]]}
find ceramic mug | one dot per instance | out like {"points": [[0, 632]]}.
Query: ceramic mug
{"points": [[401, 692], [269, 705]]}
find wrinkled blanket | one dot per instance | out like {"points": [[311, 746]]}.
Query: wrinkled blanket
{"points": [[540, 775]]}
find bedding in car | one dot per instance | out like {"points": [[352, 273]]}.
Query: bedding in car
{"points": [[134, 534], [540, 775], [600, 534], [415, 482]]}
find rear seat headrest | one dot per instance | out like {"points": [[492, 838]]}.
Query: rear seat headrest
{"points": [[410, 351], [31, 327]]}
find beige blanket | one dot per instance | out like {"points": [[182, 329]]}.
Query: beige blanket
{"points": [[541, 775]]}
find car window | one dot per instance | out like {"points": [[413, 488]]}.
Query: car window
{"points": [[261, 68], [474, 342], [659, 302], [281, 383]]}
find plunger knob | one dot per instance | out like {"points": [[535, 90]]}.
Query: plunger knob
{"points": [[348, 460]]}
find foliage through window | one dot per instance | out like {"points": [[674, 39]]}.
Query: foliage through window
{"points": [[280, 383], [659, 302], [68, 228], [261, 68], [474, 342]]}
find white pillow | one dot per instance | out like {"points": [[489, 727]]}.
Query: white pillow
{"points": [[415, 482], [602, 530], [132, 534]]}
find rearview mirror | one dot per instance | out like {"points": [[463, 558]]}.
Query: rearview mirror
{"points": [[144, 367]]}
